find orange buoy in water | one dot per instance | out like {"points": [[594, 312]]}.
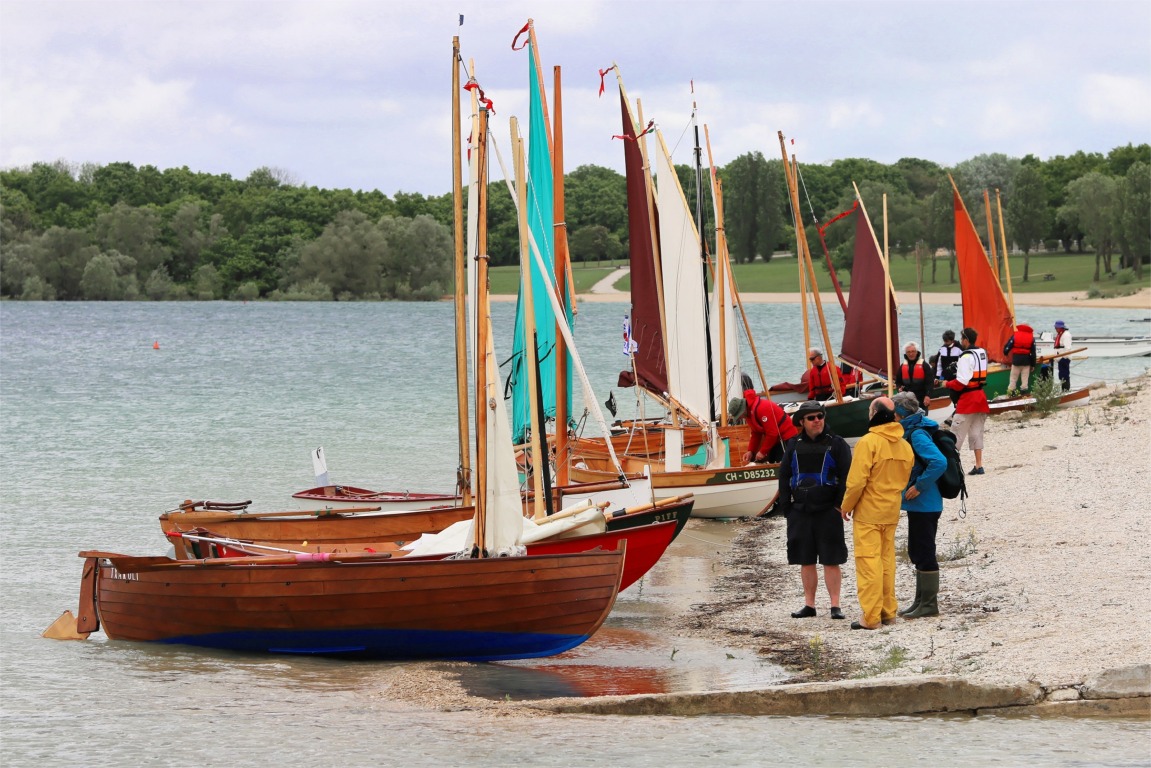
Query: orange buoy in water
{"points": [[155, 345]]}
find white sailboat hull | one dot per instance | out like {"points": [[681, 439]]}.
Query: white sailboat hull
{"points": [[1100, 346]]}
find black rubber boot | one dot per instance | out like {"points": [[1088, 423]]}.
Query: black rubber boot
{"points": [[918, 594], [929, 600]]}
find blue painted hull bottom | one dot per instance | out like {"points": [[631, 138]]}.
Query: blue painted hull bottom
{"points": [[389, 644]]}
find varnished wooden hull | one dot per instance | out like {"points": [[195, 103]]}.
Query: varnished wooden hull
{"points": [[364, 530], [477, 610], [645, 545]]}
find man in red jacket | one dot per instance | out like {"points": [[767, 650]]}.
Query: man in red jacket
{"points": [[770, 429], [971, 409]]}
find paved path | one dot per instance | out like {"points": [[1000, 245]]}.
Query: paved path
{"points": [[607, 284]]}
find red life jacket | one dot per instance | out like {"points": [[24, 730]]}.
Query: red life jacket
{"points": [[916, 371], [1022, 341], [819, 382], [1058, 336]]}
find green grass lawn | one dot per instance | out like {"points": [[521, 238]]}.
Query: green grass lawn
{"points": [[1069, 272]]}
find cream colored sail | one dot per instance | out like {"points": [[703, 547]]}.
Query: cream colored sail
{"points": [[685, 302]]}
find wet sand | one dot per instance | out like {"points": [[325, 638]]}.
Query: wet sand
{"points": [[1043, 574]]}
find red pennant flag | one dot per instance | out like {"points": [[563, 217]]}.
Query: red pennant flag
{"points": [[525, 29], [603, 72], [650, 127]]}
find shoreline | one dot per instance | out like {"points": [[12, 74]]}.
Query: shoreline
{"points": [[1140, 300], [1041, 599]]}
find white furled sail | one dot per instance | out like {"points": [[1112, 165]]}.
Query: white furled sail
{"points": [[504, 522], [683, 292]]}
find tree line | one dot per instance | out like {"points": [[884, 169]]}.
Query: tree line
{"points": [[118, 232]]}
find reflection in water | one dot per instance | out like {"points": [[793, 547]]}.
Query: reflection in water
{"points": [[635, 652]]}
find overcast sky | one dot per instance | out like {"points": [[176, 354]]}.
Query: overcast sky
{"points": [[357, 94]]}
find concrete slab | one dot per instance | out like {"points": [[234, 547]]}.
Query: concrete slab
{"points": [[859, 698]]}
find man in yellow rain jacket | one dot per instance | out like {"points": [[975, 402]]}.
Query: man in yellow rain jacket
{"points": [[880, 469]]}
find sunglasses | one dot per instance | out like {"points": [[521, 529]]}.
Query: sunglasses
{"points": [[815, 357], [813, 417]]}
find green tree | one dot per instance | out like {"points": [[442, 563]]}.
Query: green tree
{"points": [[134, 232], [1135, 219], [60, 256], [752, 202], [595, 243], [1092, 206], [1028, 218], [109, 276], [348, 257]]}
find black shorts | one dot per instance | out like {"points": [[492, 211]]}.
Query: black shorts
{"points": [[815, 537]]}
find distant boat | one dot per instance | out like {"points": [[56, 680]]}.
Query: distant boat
{"points": [[1002, 404], [1099, 346]]}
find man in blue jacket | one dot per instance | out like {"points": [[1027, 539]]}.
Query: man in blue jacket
{"points": [[923, 504]]}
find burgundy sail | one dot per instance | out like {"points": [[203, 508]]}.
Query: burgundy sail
{"points": [[646, 326], [863, 327]]}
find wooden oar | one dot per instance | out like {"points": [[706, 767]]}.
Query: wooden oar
{"points": [[220, 517], [130, 564]]}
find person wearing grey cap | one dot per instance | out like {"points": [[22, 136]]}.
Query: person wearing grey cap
{"points": [[812, 477], [923, 504]]}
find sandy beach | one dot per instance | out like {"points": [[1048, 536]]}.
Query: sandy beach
{"points": [[1045, 576], [1044, 572]]}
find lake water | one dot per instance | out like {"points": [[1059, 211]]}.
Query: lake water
{"points": [[100, 432]]}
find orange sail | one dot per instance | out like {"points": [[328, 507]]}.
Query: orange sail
{"points": [[984, 307]]}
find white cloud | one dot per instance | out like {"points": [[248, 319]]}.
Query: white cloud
{"points": [[1118, 99]]}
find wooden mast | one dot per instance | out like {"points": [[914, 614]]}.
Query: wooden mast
{"points": [[991, 236], [721, 273], [804, 253], [1006, 263], [887, 305], [538, 439], [483, 329], [562, 266], [463, 480]]}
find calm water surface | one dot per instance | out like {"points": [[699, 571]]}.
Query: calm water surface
{"points": [[100, 432]]}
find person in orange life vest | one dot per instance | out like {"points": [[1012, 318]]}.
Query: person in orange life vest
{"points": [[818, 376], [1063, 344], [1020, 349], [914, 375], [971, 409], [769, 428]]}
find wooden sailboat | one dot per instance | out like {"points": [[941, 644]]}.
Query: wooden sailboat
{"points": [[988, 311], [496, 604], [668, 355]]}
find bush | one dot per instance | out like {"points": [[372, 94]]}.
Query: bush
{"points": [[1125, 276], [248, 291]]}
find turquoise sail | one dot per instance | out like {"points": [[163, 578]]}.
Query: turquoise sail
{"points": [[541, 223]]}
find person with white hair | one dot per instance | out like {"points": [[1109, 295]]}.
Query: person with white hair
{"points": [[914, 375], [818, 376]]}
